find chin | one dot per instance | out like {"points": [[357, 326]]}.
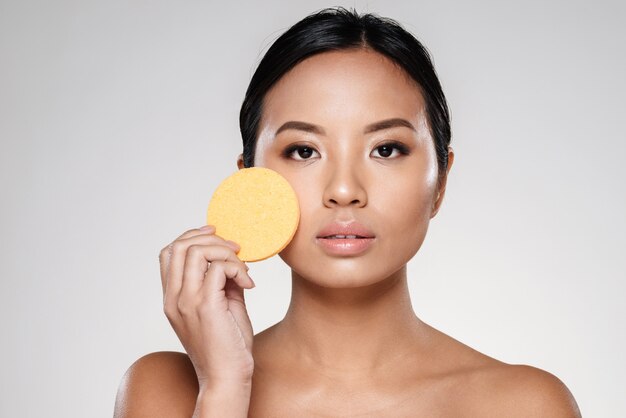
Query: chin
{"points": [[343, 273], [386, 260]]}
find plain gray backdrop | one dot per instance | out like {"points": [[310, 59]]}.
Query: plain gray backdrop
{"points": [[119, 118]]}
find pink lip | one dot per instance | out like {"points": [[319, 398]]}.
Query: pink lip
{"points": [[345, 246]]}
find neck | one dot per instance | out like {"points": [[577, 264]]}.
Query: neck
{"points": [[350, 329]]}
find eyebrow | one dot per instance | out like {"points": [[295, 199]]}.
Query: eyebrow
{"points": [[376, 126]]}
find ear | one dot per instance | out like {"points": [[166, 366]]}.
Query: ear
{"points": [[442, 189], [240, 161]]}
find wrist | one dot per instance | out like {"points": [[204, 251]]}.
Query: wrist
{"points": [[226, 400]]}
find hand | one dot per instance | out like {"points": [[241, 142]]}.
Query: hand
{"points": [[203, 282]]}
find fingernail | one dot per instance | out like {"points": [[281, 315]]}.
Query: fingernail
{"points": [[205, 227], [253, 284], [233, 244]]}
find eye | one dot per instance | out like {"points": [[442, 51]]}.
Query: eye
{"points": [[387, 150], [299, 152]]}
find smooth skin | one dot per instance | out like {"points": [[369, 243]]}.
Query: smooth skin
{"points": [[350, 344]]}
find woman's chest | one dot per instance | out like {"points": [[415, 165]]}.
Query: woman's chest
{"points": [[298, 399]]}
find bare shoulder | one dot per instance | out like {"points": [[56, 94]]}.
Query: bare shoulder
{"points": [[517, 390], [486, 387], [160, 384]]}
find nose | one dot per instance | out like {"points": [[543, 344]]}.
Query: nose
{"points": [[345, 187]]}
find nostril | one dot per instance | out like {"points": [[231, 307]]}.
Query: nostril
{"points": [[353, 202], [345, 195]]}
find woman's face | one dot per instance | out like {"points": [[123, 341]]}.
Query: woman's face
{"points": [[353, 173]]}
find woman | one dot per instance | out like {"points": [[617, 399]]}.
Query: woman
{"points": [[349, 110]]}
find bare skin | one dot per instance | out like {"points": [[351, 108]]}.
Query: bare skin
{"points": [[351, 344]]}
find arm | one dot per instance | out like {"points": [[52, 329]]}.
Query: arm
{"points": [[222, 402], [527, 391], [164, 385]]}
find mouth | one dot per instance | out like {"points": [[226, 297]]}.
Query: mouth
{"points": [[345, 245], [345, 239]]}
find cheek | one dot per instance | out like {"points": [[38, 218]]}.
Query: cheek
{"points": [[404, 209], [307, 189], [309, 199], [408, 197]]}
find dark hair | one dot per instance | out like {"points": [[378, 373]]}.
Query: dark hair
{"points": [[334, 29]]}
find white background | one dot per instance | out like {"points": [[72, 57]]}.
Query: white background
{"points": [[119, 118]]}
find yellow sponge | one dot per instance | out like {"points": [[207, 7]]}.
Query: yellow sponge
{"points": [[258, 209]]}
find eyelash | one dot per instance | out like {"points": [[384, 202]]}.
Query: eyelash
{"points": [[288, 152], [400, 147]]}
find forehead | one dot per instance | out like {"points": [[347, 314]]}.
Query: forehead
{"points": [[348, 85]]}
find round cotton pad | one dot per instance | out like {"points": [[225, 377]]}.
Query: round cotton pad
{"points": [[258, 209]]}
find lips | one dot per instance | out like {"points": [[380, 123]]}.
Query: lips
{"points": [[342, 230], [345, 239]]}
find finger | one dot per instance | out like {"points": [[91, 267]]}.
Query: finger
{"points": [[234, 291], [164, 259], [237, 305], [174, 262], [220, 271], [165, 254], [197, 264], [206, 229]]}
